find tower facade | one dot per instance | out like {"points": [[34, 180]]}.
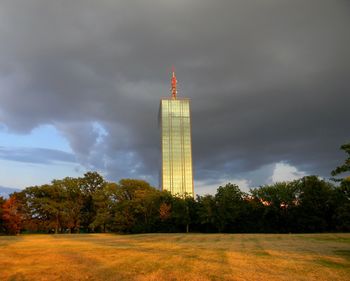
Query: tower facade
{"points": [[175, 122]]}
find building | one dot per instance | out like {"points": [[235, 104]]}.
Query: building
{"points": [[175, 123]]}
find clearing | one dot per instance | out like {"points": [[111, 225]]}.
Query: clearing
{"points": [[175, 257]]}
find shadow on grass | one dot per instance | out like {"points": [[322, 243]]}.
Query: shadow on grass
{"points": [[17, 277], [343, 253], [261, 253], [331, 264], [324, 238]]}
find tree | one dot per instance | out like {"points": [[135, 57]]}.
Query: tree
{"points": [[163, 219], [91, 183], [2, 223], [228, 202], [315, 207], [164, 211], [181, 213], [70, 191], [48, 205], [341, 200], [344, 167], [12, 216], [206, 213], [278, 199], [104, 200], [252, 217], [137, 206]]}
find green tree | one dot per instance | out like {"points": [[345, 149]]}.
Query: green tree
{"points": [[91, 183], [315, 204], [229, 201], [341, 200], [344, 167], [252, 217], [278, 199], [206, 213], [70, 191], [47, 205], [342, 213], [104, 201], [181, 213], [137, 206]]}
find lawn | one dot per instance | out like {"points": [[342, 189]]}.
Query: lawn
{"points": [[175, 257]]}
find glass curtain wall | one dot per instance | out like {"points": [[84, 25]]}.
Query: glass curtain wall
{"points": [[177, 176]]}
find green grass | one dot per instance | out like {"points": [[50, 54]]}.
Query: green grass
{"points": [[175, 257]]}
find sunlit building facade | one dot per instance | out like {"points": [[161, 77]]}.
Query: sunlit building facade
{"points": [[175, 122]]}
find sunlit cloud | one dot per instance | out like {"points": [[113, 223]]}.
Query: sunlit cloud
{"points": [[285, 172]]}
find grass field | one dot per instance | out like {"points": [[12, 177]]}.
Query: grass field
{"points": [[175, 257]]}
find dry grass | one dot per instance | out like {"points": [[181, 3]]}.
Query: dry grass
{"points": [[175, 257]]}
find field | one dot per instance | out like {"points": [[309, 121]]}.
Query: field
{"points": [[175, 257]]}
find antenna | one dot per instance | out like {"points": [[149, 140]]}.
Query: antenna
{"points": [[173, 85]]}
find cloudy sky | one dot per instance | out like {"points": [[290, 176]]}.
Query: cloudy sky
{"points": [[80, 84]]}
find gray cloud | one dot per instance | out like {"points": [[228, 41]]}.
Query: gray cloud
{"points": [[268, 80], [35, 155]]}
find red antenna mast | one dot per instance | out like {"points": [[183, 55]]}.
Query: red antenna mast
{"points": [[173, 85]]}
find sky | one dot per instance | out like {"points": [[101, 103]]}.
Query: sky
{"points": [[81, 81]]}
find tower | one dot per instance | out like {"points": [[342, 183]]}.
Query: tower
{"points": [[175, 122]]}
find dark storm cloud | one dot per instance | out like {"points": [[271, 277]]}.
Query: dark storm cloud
{"points": [[36, 155], [268, 80]]}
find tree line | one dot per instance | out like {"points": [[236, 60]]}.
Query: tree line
{"points": [[91, 204]]}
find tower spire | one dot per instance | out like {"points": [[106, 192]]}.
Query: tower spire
{"points": [[173, 85]]}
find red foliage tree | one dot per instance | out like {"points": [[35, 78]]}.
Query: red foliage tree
{"points": [[12, 216], [164, 211]]}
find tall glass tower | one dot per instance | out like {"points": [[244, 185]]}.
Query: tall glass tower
{"points": [[175, 122]]}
